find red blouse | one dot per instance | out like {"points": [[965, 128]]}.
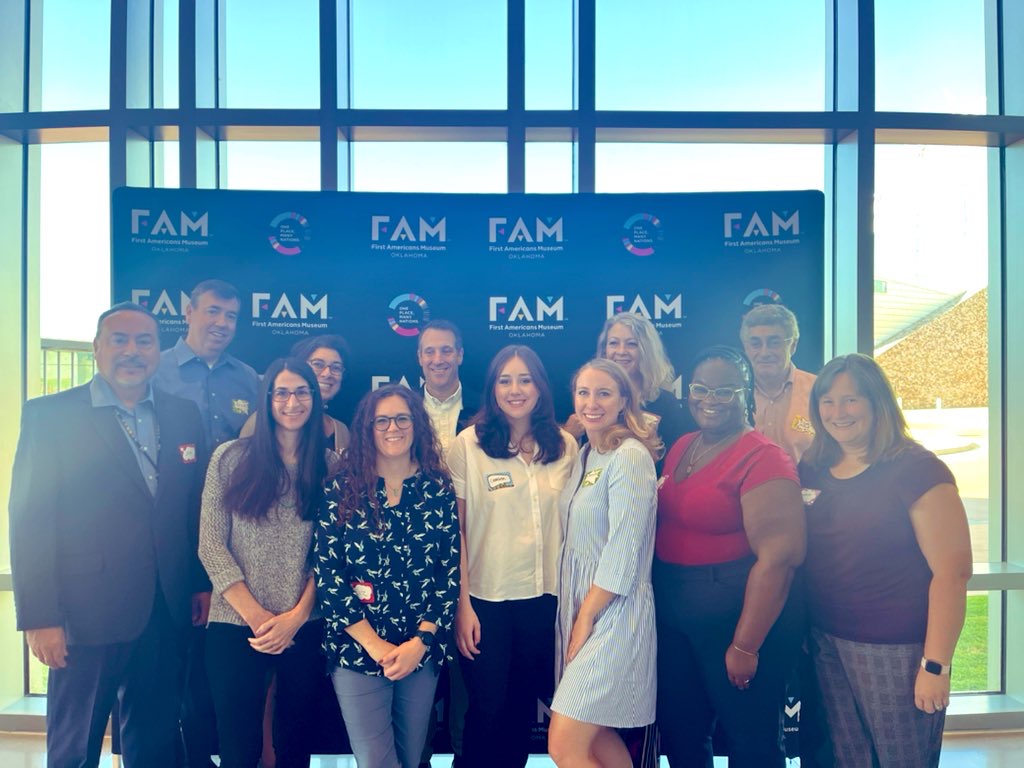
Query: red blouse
{"points": [[700, 519]]}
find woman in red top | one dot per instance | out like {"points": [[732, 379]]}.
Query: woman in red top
{"points": [[730, 534]]}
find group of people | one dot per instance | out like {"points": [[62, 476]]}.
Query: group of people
{"points": [[642, 562]]}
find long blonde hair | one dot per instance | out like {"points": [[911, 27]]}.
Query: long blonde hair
{"points": [[631, 421]]}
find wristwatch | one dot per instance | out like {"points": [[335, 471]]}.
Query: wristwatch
{"points": [[935, 667], [426, 637]]}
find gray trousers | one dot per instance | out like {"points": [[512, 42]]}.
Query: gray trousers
{"points": [[386, 721], [868, 692]]}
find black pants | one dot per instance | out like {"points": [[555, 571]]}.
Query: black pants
{"points": [[198, 720], [144, 675], [238, 684], [516, 666], [697, 610]]}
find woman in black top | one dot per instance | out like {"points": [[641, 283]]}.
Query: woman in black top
{"points": [[387, 577]]}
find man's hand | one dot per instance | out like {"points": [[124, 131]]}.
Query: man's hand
{"points": [[48, 645], [200, 609]]}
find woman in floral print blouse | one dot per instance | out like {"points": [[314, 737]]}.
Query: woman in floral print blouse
{"points": [[387, 577]]}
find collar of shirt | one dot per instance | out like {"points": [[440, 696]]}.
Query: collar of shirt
{"points": [[183, 354], [787, 386], [448, 403], [102, 395]]}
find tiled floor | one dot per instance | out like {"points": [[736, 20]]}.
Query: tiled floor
{"points": [[960, 750]]}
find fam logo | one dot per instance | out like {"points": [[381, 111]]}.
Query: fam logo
{"points": [[288, 231], [412, 237], [660, 307], [289, 314], [736, 224], [523, 239], [525, 316], [182, 224], [642, 234], [407, 313], [163, 305], [168, 306], [379, 380]]}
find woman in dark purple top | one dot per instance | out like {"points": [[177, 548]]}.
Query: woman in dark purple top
{"points": [[888, 559]]}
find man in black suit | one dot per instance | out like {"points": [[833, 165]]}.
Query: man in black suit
{"points": [[104, 516]]}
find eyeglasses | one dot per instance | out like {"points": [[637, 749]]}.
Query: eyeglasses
{"points": [[383, 423], [282, 395], [319, 366], [721, 394], [773, 343]]}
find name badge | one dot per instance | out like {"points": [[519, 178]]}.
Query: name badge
{"points": [[810, 495], [240, 406], [498, 480], [363, 590], [591, 477], [187, 451]]}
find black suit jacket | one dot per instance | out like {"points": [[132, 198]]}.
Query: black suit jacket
{"points": [[89, 544]]}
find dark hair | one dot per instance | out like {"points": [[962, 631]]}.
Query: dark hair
{"points": [[359, 463], [492, 427], [220, 288], [125, 306], [631, 421], [304, 348], [889, 432], [441, 325], [260, 477], [737, 359]]}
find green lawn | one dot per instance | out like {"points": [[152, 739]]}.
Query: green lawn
{"points": [[970, 662]]}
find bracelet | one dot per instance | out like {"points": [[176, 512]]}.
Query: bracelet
{"points": [[755, 654]]}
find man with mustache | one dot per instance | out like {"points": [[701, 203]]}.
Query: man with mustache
{"points": [[103, 512], [199, 368]]}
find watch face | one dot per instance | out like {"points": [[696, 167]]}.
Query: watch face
{"points": [[426, 637], [933, 666]]}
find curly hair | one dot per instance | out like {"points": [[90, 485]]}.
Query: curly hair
{"points": [[739, 361], [491, 424], [631, 421], [260, 477], [304, 348], [359, 463], [656, 372]]}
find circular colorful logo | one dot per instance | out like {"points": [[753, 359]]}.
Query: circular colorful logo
{"points": [[408, 314], [290, 229], [761, 296], [643, 231]]}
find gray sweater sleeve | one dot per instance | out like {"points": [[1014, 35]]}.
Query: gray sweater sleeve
{"points": [[215, 523]]}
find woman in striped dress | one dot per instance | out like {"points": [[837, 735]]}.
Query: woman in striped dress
{"points": [[606, 643]]}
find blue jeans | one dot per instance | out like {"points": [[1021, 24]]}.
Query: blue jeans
{"points": [[386, 720]]}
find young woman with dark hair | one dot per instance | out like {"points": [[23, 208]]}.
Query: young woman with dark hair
{"points": [[386, 554], [328, 356], [508, 470], [256, 528]]}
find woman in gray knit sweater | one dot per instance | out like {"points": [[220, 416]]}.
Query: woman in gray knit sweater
{"points": [[259, 503]]}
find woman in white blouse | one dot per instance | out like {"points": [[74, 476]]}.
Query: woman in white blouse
{"points": [[508, 470]]}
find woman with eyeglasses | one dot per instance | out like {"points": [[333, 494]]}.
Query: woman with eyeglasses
{"points": [[386, 555], [256, 528], [328, 356], [632, 341], [730, 534], [509, 469]]}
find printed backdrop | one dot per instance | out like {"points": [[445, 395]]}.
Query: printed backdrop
{"points": [[542, 270]]}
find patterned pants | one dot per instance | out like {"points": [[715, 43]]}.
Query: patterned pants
{"points": [[868, 691]]}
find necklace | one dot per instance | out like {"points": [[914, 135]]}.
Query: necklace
{"points": [[127, 427], [697, 455]]}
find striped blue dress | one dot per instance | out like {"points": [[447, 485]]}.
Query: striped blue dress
{"points": [[608, 518]]}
